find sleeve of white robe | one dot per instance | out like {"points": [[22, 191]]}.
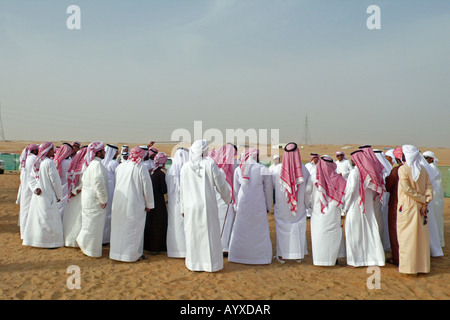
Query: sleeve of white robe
{"points": [[308, 192], [182, 186], [268, 187], [346, 170], [350, 187], [306, 178], [55, 180], [79, 187], [33, 183], [148, 189], [221, 184], [236, 187], [100, 183]]}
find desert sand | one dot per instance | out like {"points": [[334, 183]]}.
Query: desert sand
{"points": [[28, 273]]}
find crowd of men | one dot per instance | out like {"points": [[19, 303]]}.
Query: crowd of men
{"points": [[217, 204]]}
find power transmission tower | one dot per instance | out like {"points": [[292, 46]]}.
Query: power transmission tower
{"points": [[2, 133], [306, 135]]}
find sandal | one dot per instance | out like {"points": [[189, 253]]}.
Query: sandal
{"points": [[391, 261], [278, 259], [141, 258]]}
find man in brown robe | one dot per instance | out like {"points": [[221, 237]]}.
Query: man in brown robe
{"points": [[414, 193], [392, 188], [155, 232]]}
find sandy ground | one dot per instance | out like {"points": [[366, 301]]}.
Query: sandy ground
{"points": [[28, 273]]}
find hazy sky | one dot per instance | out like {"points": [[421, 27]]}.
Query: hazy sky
{"points": [[138, 70]]}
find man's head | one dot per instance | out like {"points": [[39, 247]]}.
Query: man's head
{"points": [[429, 156], [152, 152], [76, 146], [340, 155], [314, 158], [100, 154], [276, 159], [51, 153]]}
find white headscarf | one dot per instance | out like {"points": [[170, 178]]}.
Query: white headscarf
{"points": [[382, 158], [390, 153], [110, 152], [179, 159], [197, 151], [431, 155], [415, 161]]}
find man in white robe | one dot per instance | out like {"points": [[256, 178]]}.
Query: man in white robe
{"points": [[72, 212], [27, 159], [224, 157], [94, 201], [110, 163], [43, 227], [324, 195], [384, 200], [289, 180], [276, 162], [176, 241], [62, 160], [199, 179], [311, 167], [250, 240], [343, 165], [381, 167], [363, 241], [437, 204], [133, 197], [123, 154]]}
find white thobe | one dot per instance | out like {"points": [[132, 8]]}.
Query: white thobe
{"points": [[250, 240], [43, 227], [25, 192], [435, 244], [438, 204], [133, 193], [290, 229], [343, 168], [95, 193], [72, 216], [111, 170], [327, 239], [176, 241], [311, 167], [201, 217], [63, 203], [363, 241], [226, 216]]}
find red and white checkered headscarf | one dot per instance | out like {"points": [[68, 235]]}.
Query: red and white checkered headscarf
{"points": [[61, 154], [330, 184], [92, 149], [76, 168], [369, 175], [249, 158], [291, 175], [25, 152], [160, 160], [44, 148], [137, 154], [224, 159]]}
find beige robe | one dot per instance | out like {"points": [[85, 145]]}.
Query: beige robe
{"points": [[413, 235]]}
